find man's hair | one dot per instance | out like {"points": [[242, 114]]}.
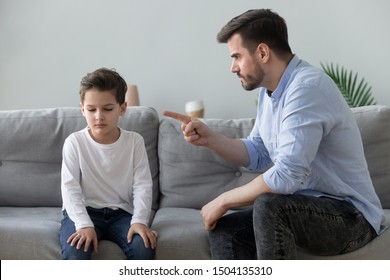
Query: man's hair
{"points": [[256, 27], [104, 79]]}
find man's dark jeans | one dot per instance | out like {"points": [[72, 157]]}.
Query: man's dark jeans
{"points": [[278, 224]]}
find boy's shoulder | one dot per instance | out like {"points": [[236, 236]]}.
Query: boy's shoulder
{"points": [[132, 137], [130, 133], [77, 135]]}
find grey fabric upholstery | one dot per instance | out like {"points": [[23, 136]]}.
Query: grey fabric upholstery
{"points": [[185, 178], [181, 234], [191, 176], [374, 125]]}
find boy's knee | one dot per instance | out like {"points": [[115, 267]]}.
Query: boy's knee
{"points": [[136, 250], [71, 253]]}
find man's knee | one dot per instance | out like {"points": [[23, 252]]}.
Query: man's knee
{"points": [[267, 202]]}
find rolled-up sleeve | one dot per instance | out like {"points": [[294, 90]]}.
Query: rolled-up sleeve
{"points": [[304, 121], [258, 155]]}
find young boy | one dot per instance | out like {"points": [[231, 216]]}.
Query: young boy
{"points": [[106, 182]]}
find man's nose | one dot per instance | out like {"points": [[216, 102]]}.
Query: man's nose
{"points": [[234, 68]]}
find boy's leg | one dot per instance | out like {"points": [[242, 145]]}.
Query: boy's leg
{"points": [[70, 252], [319, 225], [117, 232], [233, 237]]}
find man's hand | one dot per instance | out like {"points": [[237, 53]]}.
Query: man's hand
{"points": [[235, 198], [194, 131], [148, 235], [86, 236], [211, 213], [199, 134]]}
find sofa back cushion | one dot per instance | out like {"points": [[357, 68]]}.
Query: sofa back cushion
{"points": [[31, 151], [192, 176], [374, 125]]}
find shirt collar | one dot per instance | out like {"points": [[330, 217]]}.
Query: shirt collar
{"points": [[285, 78]]}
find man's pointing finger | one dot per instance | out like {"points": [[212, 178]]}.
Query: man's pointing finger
{"points": [[180, 117]]}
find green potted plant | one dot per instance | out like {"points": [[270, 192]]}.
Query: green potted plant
{"points": [[356, 93]]}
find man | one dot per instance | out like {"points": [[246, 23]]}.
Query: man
{"points": [[317, 193]]}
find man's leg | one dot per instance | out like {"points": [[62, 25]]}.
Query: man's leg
{"points": [[233, 237], [319, 225]]}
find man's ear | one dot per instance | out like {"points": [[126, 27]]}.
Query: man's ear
{"points": [[263, 52]]}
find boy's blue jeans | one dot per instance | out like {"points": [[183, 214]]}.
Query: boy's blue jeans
{"points": [[278, 224], [109, 224]]}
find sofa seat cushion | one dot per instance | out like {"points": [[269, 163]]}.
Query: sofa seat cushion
{"points": [[30, 233], [181, 234]]}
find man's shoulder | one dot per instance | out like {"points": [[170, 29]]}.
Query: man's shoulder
{"points": [[306, 73]]}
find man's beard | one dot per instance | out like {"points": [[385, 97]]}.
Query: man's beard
{"points": [[251, 82], [249, 86]]}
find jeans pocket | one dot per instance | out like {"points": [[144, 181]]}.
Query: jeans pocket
{"points": [[359, 242], [64, 217]]}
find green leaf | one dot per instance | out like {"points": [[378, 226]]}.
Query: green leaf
{"points": [[356, 93]]}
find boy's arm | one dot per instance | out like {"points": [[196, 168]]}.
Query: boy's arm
{"points": [[142, 184], [70, 186]]}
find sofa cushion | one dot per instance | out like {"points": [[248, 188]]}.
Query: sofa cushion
{"points": [[374, 125], [31, 151], [191, 176], [181, 235], [30, 233]]}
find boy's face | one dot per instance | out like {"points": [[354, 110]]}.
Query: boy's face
{"points": [[102, 112]]}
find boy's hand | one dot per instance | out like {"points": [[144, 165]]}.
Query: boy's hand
{"points": [[148, 235], [84, 236]]}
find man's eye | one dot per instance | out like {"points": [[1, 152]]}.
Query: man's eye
{"points": [[91, 110], [108, 109]]}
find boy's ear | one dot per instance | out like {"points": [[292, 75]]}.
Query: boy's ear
{"points": [[123, 108], [82, 108]]}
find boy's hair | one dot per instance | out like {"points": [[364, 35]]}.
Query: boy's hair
{"points": [[256, 27], [104, 79]]}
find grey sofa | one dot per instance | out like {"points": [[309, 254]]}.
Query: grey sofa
{"points": [[185, 177]]}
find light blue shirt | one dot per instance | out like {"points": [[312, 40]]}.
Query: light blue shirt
{"points": [[307, 136]]}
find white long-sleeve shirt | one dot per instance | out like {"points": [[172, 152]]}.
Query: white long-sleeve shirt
{"points": [[113, 175]]}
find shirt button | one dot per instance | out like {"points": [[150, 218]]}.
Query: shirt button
{"points": [[238, 174]]}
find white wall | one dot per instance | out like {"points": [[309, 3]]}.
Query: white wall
{"points": [[168, 48]]}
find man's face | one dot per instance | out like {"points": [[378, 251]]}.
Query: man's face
{"points": [[245, 64]]}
